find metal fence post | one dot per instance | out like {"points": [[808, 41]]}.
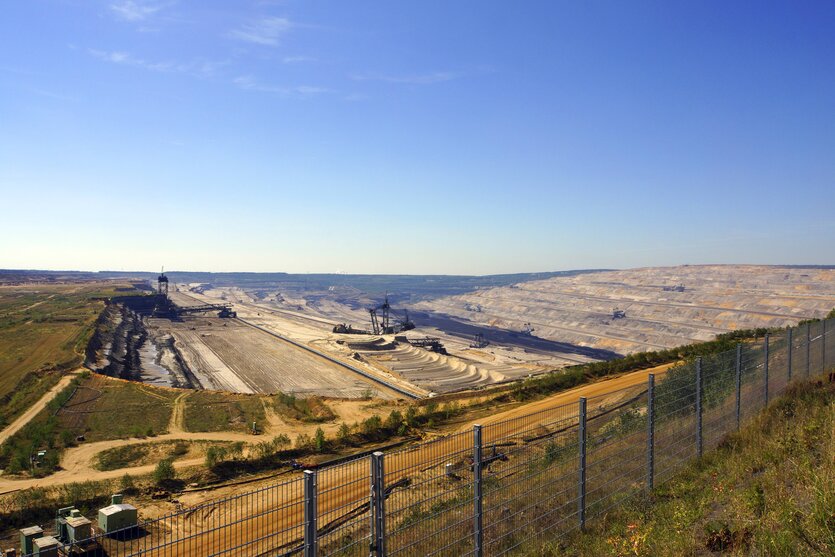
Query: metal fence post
{"points": [[699, 407], [478, 526], [808, 349], [581, 502], [738, 369], [651, 432], [310, 543], [823, 346], [378, 494], [765, 368], [789, 343]]}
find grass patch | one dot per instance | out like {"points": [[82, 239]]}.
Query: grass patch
{"points": [[93, 406], [43, 328], [214, 411], [311, 410], [125, 410], [37, 505], [29, 389], [141, 454], [43, 432], [765, 491]]}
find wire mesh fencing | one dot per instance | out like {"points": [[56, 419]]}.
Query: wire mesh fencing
{"points": [[502, 484]]}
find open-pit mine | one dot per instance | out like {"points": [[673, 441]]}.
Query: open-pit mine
{"points": [[324, 337]]}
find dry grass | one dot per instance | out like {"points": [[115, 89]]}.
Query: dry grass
{"points": [[148, 453], [123, 409], [767, 490], [43, 328], [217, 411]]}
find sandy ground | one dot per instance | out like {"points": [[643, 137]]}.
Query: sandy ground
{"points": [[265, 363], [77, 462], [716, 299], [347, 488], [414, 369], [225, 354]]}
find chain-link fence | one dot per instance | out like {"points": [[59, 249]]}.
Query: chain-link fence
{"points": [[504, 483]]}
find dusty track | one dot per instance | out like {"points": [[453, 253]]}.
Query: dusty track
{"points": [[27, 416], [342, 488], [76, 462]]}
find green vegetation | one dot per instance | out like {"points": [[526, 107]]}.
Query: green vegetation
{"points": [[576, 375], [375, 429], [164, 472], [37, 505], [44, 329], [216, 454], [42, 433], [766, 490], [124, 410], [92, 406], [312, 409], [28, 390], [127, 484], [145, 453], [214, 411]]}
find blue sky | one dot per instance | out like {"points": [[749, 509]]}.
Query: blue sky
{"points": [[467, 137]]}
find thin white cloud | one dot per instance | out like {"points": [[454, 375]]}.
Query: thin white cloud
{"points": [[134, 10], [52, 95], [249, 83], [297, 59], [266, 31], [125, 58], [198, 68], [413, 79]]}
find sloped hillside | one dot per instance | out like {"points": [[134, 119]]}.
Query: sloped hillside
{"points": [[663, 307]]}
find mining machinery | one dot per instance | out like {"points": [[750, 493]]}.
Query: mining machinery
{"points": [[162, 283], [346, 329], [676, 288], [618, 314], [479, 341], [223, 310], [527, 330], [433, 344], [381, 324], [164, 307], [173, 311]]}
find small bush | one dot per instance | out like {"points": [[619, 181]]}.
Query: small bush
{"points": [[126, 484], [164, 472]]}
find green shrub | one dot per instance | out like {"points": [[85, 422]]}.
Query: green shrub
{"points": [[164, 471], [126, 484]]}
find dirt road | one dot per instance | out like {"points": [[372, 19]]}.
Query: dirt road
{"points": [[344, 490], [27, 416], [573, 395], [77, 463], [347, 489]]}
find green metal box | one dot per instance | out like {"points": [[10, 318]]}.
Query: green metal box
{"points": [[46, 546], [27, 537], [117, 517]]}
